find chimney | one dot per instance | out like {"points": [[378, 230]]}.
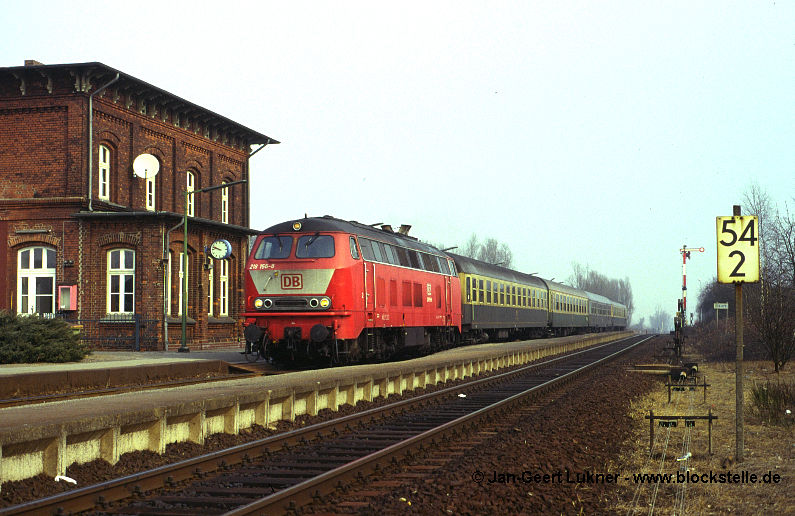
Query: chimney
{"points": [[33, 62]]}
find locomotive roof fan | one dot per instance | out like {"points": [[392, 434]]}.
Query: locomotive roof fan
{"points": [[146, 166]]}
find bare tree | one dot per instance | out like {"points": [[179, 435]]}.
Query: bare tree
{"points": [[660, 320], [470, 249], [771, 302], [619, 290], [491, 251]]}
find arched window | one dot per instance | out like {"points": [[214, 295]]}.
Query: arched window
{"points": [[103, 169], [224, 204], [36, 280], [150, 193], [190, 186], [121, 281]]}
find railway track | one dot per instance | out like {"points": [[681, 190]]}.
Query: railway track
{"points": [[294, 468]]}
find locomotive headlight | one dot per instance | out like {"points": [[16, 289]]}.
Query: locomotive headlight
{"points": [[325, 302], [313, 303], [258, 303]]}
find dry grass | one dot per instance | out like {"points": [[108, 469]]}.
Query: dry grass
{"points": [[767, 448]]}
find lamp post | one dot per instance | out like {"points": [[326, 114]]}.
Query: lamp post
{"points": [[183, 348]]}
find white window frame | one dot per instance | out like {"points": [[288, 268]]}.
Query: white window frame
{"points": [[126, 305], [224, 204], [190, 185], [223, 289], [150, 194], [210, 293], [168, 285], [103, 170], [181, 284], [27, 298]]}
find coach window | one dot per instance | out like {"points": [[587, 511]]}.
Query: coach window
{"points": [[403, 257], [469, 284], [121, 281], [36, 280], [480, 290], [488, 291], [355, 252], [502, 293], [376, 247], [389, 254], [414, 259]]}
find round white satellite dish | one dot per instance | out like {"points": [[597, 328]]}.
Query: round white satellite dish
{"points": [[146, 166]]}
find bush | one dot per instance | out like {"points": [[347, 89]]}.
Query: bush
{"points": [[25, 339], [772, 400]]}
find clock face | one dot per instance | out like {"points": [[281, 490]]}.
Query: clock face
{"points": [[221, 249]]}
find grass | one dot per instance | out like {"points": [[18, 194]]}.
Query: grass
{"points": [[768, 447], [773, 402]]}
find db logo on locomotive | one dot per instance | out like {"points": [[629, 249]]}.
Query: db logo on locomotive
{"points": [[292, 281]]}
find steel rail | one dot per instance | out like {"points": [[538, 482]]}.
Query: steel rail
{"points": [[89, 497], [313, 488]]}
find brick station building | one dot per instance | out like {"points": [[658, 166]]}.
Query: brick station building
{"points": [[82, 237]]}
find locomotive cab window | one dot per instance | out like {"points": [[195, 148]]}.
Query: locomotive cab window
{"points": [[274, 247], [315, 246]]}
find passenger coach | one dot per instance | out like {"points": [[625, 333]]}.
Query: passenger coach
{"points": [[500, 303]]}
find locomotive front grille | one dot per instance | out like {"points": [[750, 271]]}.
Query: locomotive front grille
{"points": [[290, 303]]}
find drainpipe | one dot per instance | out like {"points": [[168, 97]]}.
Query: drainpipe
{"points": [[91, 138], [166, 246]]}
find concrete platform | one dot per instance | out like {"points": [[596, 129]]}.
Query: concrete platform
{"points": [[110, 369], [47, 438]]}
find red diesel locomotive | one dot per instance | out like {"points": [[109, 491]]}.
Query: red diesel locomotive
{"points": [[325, 288]]}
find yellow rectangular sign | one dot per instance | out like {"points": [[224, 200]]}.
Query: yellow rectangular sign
{"points": [[738, 249]]}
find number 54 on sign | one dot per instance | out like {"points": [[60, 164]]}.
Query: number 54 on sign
{"points": [[738, 249]]}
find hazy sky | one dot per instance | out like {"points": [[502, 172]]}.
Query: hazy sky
{"points": [[607, 133]]}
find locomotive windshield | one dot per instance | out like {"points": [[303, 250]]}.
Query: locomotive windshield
{"points": [[315, 246], [274, 247]]}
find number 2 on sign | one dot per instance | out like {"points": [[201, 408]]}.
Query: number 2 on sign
{"points": [[738, 251]]}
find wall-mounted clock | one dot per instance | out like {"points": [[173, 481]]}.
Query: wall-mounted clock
{"points": [[221, 249]]}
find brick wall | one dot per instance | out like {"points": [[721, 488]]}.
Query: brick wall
{"points": [[43, 184]]}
